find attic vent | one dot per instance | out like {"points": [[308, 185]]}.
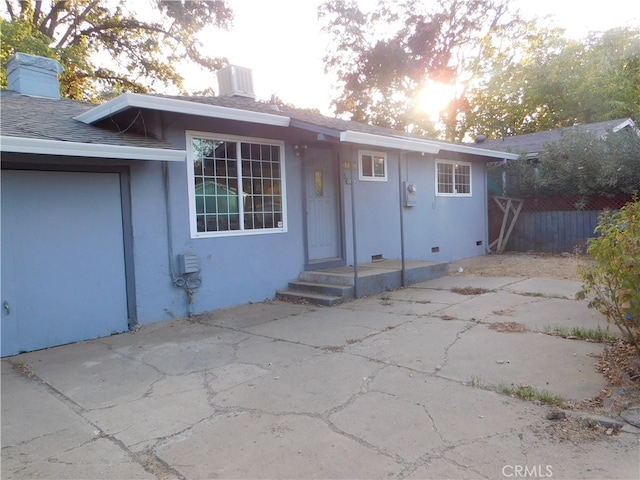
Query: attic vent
{"points": [[236, 81]]}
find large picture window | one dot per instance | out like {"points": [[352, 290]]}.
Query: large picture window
{"points": [[237, 185], [453, 178]]}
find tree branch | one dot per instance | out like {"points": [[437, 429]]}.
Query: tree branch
{"points": [[50, 22], [12, 15], [78, 19]]}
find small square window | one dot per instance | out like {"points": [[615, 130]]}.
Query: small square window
{"points": [[453, 178], [372, 166]]}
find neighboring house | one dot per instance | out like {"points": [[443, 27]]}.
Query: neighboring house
{"points": [[530, 145], [151, 207]]}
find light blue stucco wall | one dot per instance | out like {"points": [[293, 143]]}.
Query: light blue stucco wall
{"points": [[233, 269], [452, 224], [251, 268]]}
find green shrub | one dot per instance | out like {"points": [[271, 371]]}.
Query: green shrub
{"points": [[613, 281]]}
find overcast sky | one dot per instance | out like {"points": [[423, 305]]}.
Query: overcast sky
{"points": [[280, 41]]}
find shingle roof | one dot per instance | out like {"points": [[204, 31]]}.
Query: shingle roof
{"points": [[316, 119], [533, 143], [323, 124], [51, 119]]}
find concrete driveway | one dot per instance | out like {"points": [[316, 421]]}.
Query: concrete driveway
{"points": [[400, 385]]}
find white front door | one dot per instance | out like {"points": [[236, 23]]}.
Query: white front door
{"points": [[323, 218]]}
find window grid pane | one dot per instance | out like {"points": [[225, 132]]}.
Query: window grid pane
{"points": [[463, 179], [263, 198], [453, 178], [445, 178], [217, 194]]}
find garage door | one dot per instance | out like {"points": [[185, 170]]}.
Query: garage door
{"points": [[63, 276]]}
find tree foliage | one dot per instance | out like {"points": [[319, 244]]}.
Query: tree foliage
{"points": [[559, 83], [384, 57], [614, 279], [142, 47], [512, 77], [580, 163]]}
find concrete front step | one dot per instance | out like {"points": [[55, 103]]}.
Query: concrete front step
{"points": [[331, 286], [309, 297], [332, 289], [317, 293]]}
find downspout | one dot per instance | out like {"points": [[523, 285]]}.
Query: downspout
{"points": [[486, 210], [353, 233], [185, 282], [401, 154]]}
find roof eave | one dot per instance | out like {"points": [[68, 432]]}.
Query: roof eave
{"points": [[90, 150], [479, 151], [137, 100], [400, 143]]}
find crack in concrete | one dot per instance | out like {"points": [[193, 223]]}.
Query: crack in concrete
{"points": [[459, 335]]}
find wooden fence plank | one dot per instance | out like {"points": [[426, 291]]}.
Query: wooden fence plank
{"points": [[552, 232]]}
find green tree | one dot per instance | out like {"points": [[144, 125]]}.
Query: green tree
{"points": [[558, 83], [580, 163], [384, 57], [109, 46]]}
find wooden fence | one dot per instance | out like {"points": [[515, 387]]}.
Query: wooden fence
{"points": [[553, 232], [553, 224]]}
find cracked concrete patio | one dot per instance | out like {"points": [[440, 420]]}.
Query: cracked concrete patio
{"points": [[403, 384]]}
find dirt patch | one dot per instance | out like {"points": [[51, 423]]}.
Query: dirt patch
{"points": [[508, 327], [576, 430], [469, 290], [564, 267], [620, 365]]}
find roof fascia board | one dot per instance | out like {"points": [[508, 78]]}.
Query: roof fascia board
{"points": [[93, 150], [401, 143], [449, 147], [139, 100], [628, 122], [329, 132]]}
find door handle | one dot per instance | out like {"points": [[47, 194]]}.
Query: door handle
{"points": [[5, 304]]}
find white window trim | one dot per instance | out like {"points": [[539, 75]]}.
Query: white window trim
{"points": [[453, 162], [190, 135], [364, 178]]}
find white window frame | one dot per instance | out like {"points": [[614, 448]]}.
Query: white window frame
{"points": [[453, 163], [190, 136], [372, 154]]}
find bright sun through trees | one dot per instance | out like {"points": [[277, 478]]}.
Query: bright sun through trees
{"points": [[434, 97]]}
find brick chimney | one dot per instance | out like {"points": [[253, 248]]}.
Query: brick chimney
{"points": [[34, 75]]}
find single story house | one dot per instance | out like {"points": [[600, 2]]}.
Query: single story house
{"points": [[151, 207]]}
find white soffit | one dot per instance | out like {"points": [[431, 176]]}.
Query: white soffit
{"points": [[138, 100], [400, 143], [94, 150]]}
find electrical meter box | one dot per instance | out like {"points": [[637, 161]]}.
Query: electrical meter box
{"points": [[410, 194]]}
